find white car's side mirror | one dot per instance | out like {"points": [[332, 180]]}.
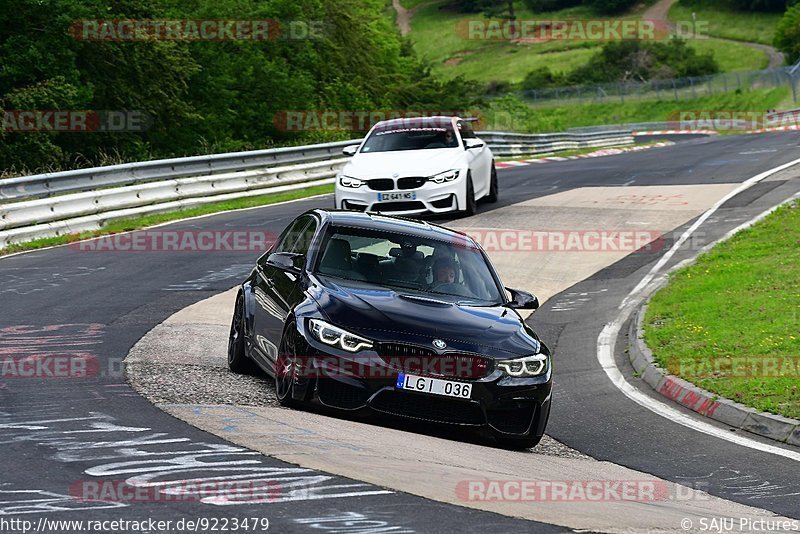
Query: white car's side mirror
{"points": [[350, 150], [473, 143]]}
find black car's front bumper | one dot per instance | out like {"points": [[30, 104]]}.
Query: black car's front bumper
{"points": [[508, 406]]}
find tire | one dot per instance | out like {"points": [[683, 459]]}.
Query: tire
{"points": [[238, 362], [285, 373], [472, 204], [518, 444], [493, 188]]}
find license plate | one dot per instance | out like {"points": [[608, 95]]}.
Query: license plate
{"points": [[434, 386], [396, 196]]}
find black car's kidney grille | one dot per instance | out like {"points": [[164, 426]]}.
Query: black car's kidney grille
{"points": [[426, 362], [334, 393], [429, 408], [401, 349], [381, 184], [411, 182]]}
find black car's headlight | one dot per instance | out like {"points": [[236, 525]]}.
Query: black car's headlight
{"points": [[335, 336], [446, 176], [349, 181], [534, 365]]}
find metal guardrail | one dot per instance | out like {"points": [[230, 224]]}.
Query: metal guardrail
{"points": [[148, 171], [53, 204], [508, 144]]}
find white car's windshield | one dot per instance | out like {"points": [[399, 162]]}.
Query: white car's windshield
{"points": [[399, 261], [419, 136]]}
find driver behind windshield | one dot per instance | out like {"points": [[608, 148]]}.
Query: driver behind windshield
{"points": [[444, 270]]}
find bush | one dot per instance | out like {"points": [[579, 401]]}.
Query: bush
{"points": [[542, 77], [624, 61]]}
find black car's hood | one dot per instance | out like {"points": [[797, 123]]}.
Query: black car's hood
{"points": [[367, 309]]}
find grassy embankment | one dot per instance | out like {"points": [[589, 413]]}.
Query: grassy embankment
{"points": [[730, 323]]}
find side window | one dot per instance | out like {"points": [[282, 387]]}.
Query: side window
{"points": [[465, 129], [303, 243], [290, 236]]}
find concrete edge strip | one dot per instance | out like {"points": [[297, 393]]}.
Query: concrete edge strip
{"points": [[705, 403]]}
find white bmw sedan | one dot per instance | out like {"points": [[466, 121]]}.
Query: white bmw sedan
{"points": [[419, 165]]}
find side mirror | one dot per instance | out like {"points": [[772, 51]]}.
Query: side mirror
{"points": [[286, 261], [522, 300], [473, 143], [350, 150]]}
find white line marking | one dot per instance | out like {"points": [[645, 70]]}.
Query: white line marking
{"points": [[608, 336], [605, 351], [747, 184]]}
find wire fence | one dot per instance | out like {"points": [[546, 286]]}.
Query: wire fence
{"points": [[667, 89]]}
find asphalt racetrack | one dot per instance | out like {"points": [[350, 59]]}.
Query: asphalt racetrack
{"points": [[68, 437]]}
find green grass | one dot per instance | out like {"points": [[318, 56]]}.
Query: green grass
{"points": [[732, 57], [510, 114], [439, 35], [135, 223], [740, 300], [729, 24]]}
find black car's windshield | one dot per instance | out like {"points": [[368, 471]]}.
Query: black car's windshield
{"points": [[404, 262], [413, 135]]}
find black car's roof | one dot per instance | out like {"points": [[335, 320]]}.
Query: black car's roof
{"points": [[375, 221]]}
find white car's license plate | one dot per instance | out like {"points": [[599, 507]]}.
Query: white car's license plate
{"points": [[396, 196], [434, 386]]}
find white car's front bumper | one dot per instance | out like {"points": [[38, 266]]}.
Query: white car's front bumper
{"points": [[430, 197]]}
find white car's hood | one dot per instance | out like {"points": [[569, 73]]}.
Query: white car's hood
{"points": [[404, 163]]}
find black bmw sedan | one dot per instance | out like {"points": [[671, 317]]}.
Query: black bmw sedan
{"points": [[368, 313]]}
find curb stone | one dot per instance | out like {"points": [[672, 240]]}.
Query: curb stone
{"points": [[733, 414]]}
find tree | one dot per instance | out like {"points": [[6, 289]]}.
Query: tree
{"points": [[610, 7], [203, 95], [787, 34], [538, 6]]}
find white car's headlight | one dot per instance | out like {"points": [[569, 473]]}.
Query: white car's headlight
{"points": [[534, 365], [349, 181], [335, 336], [446, 176]]}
